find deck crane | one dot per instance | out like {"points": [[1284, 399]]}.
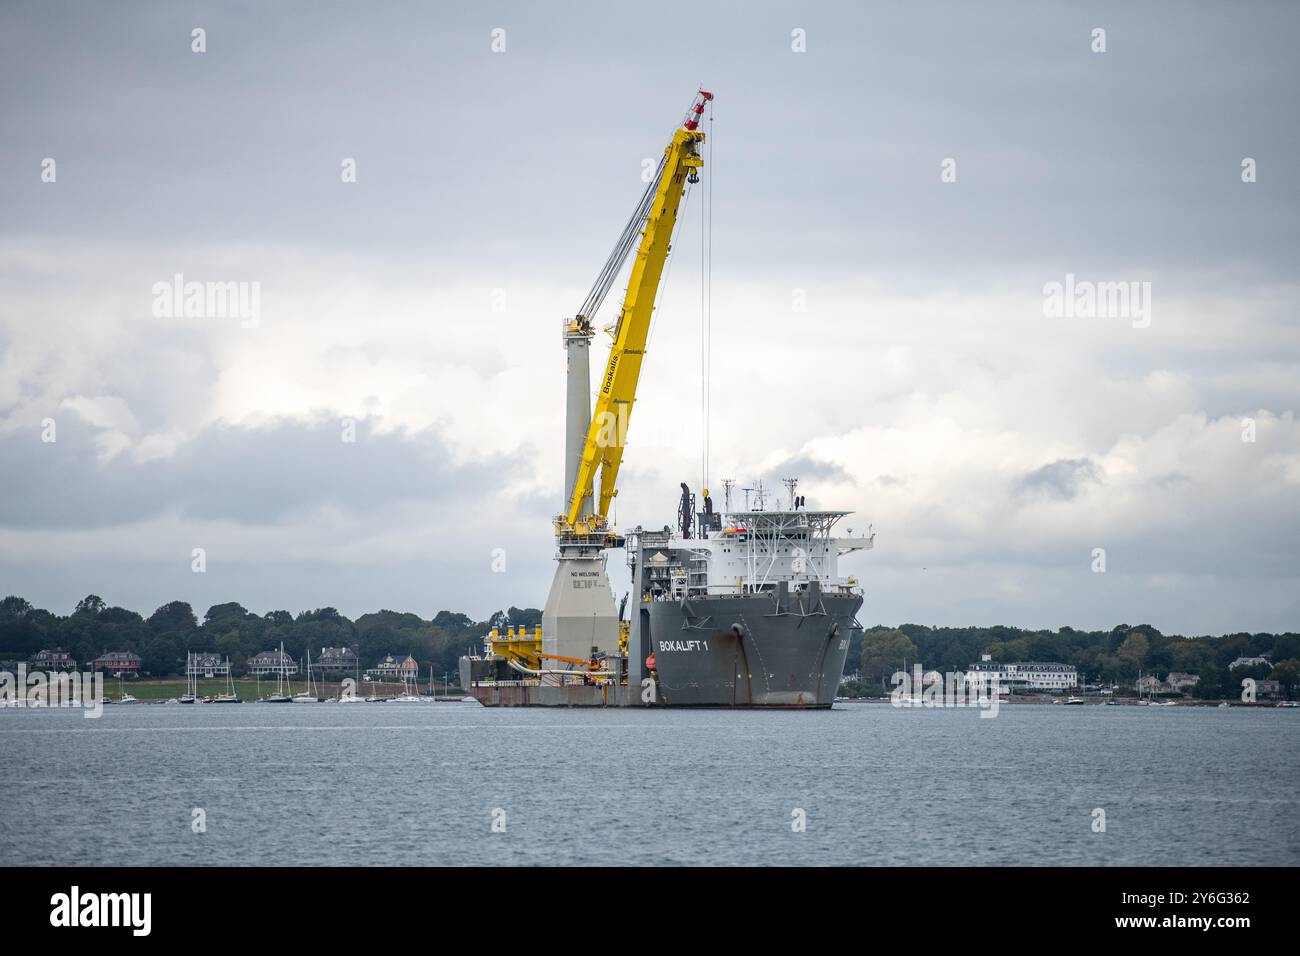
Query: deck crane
{"points": [[580, 619], [586, 517]]}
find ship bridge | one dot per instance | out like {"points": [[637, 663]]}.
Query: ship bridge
{"points": [[746, 552]]}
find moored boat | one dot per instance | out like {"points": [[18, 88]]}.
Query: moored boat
{"points": [[281, 695]]}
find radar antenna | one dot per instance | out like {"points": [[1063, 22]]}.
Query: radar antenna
{"points": [[790, 485]]}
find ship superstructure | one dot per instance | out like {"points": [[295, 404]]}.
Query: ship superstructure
{"points": [[744, 608]]}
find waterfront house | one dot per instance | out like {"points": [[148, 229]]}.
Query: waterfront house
{"points": [[1250, 662], [117, 663], [335, 659], [1150, 684], [403, 667], [51, 659], [274, 661], [206, 664], [1181, 681]]}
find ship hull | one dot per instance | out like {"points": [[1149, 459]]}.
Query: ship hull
{"points": [[747, 652]]}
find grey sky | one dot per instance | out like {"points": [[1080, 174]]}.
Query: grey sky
{"points": [[991, 447]]}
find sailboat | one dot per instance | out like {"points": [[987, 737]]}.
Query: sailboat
{"points": [[433, 697], [914, 698], [348, 693], [446, 688], [229, 697], [191, 694], [280, 696], [406, 697], [307, 696]]}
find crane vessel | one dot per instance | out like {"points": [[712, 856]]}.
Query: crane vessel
{"points": [[730, 608]]}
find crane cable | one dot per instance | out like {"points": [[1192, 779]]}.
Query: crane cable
{"points": [[706, 309], [626, 240]]}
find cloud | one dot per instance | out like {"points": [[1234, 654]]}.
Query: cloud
{"points": [[1061, 479], [268, 474], [913, 378]]}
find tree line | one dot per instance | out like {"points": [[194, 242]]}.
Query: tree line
{"points": [[164, 638], [1116, 656]]}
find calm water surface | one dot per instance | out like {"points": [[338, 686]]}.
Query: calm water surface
{"points": [[418, 783]]}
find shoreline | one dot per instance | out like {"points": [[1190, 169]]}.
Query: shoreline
{"points": [[249, 690], [1097, 702]]}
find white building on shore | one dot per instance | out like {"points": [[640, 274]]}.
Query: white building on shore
{"points": [[1023, 676], [272, 662], [206, 664]]}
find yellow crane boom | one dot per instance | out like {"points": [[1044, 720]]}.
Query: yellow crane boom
{"points": [[612, 412]]}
